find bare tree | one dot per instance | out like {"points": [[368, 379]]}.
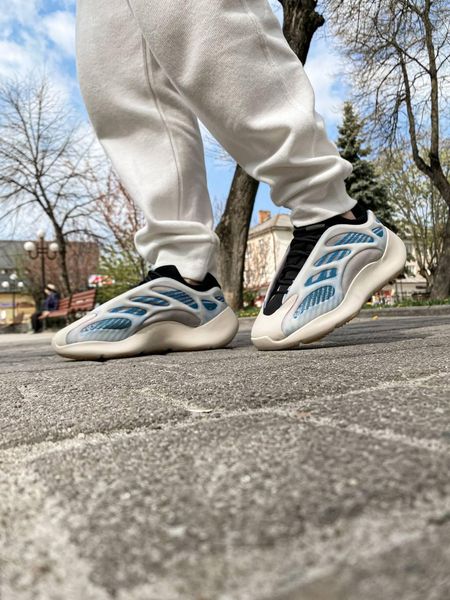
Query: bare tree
{"points": [[421, 209], [43, 164], [121, 218], [399, 51], [300, 23]]}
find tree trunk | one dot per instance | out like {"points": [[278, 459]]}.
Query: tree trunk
{"points": [[62, 257], [441, 278], [300, 23], [233, 232], [440, 287]]}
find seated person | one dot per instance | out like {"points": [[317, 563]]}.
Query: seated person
{"points": [[50, 303]]}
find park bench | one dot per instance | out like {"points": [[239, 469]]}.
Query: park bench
{"points": [[62, 311], [74, 305], [82, 302]]}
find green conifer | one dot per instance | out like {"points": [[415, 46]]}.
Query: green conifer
{"points": [[363, 184]]}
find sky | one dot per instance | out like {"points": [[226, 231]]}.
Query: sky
{"points": [[39, 35]]}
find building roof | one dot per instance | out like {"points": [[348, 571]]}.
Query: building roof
{"points": [[10, 252], [279, 221]]}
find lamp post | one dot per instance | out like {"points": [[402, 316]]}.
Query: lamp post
{"points": [[41, 249], [15, 286]]}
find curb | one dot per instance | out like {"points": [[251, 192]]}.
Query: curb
{"points": [[406, 311], [403, 311]]}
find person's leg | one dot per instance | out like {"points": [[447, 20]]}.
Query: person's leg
{"points": [[231, 62], [154, 143], [36, 323], [150, 135]]}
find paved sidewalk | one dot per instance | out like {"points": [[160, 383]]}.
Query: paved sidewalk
{"points": [[316, 474]]}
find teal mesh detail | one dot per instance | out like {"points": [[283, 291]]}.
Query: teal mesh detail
{"points": [[153, 300], [331, 257], [354, 237], [181, 297], [131, 310], [115, 323], [316, 297], [220, 298], [379, 231], [209, 305], [322, 276]]}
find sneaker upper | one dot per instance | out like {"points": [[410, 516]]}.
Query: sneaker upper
{"points": [[318, 268], [163, 296]]}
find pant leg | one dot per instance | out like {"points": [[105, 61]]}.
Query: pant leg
{"points": [[150, 135], [230, 60], [36, 323]]}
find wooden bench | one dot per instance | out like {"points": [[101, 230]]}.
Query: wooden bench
{"points": [[83, 302], [62, 311], [74, 305]]}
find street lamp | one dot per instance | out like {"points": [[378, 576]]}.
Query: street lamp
{"points": [[43, 250], [15, 286]]}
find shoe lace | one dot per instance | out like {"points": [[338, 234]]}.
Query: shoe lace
{"points": [[299, 250]]}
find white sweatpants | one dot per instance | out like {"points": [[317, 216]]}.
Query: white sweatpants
{"points": [[149, 68]]}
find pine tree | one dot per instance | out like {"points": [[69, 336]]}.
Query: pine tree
{"points": [[363, 184]]}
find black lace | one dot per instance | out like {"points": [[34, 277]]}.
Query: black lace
{"points": [[299, 250]]}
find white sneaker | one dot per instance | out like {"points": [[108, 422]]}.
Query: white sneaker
{"points": [[161, 314], [328, 273]]}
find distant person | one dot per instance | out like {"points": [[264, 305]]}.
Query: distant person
{"points": [[50, 303], [147, 70]]}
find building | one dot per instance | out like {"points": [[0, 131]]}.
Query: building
{"points": [[266, 246], [268, 242]]}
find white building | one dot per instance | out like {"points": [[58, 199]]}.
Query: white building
{"points": [[267, 244]]}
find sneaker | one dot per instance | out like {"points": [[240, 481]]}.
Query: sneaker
{"points": [[328, 273], [162, 313]]}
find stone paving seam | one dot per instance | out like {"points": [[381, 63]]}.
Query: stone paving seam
{"points": [[383, 434], [44, 447], [285, 410]]}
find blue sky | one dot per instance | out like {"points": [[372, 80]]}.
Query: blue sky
{"points": [[38, 35]]}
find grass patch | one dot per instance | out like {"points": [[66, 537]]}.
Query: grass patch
{"points": [[250, 311], [410, 302]]}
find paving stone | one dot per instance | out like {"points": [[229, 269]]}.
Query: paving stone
{"points": [[317, 474]]}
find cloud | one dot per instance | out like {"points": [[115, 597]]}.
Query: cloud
{"points": [[14, 59], [325, 68], [23, 12], [60, 29], [37, 36]]}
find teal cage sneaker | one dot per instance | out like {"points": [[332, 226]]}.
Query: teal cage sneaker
{"points": [[162, 313], [329, 271]]}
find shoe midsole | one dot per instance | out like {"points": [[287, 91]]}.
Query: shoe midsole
{"points": [[159, 337]]}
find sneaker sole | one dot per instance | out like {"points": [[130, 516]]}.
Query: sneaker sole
{"points": [[163, 336], [368, 281]]}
